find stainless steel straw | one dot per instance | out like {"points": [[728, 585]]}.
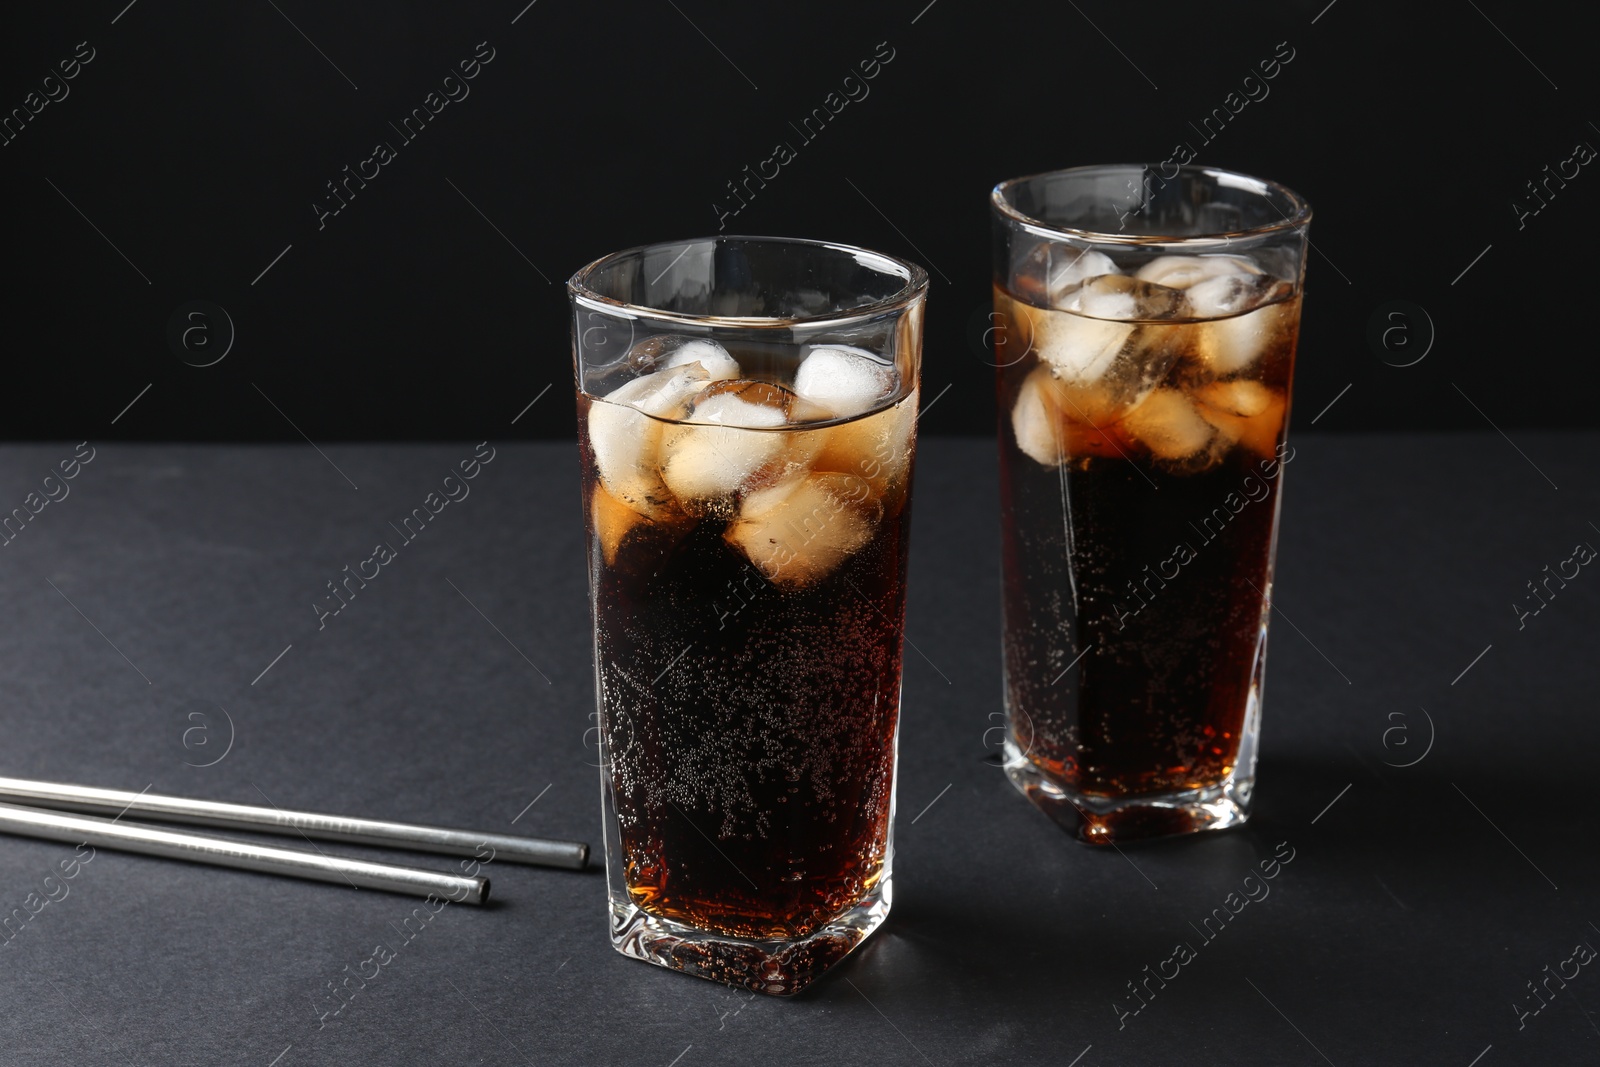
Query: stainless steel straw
{"points": [[539, 851], [220, 852]]}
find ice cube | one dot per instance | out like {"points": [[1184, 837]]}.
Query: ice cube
{"points": [[1117, 296], [1168, 424], [877, 447], [1036, 419], [1069, 267], [1227, 346], [644, 356], [1044, 271], [1262, 431], [1238, 397], [1104, 368], [613, 521], [710, 355], [844, 379], [1078, 349], [801, 530], [1244, 411], [730, 438], [1181, 272], [1230, 294], [624, 437], [1048, 428]]}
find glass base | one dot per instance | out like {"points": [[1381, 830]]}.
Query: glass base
{"points": [[1108, 820], [779, 968]]}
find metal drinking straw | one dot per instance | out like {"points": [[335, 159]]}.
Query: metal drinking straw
{"points": [[221, 852], [506, 848]]}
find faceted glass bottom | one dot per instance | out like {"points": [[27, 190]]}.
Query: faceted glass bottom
{"points": [[1103, 820], [1098, 820], [776, 967]]}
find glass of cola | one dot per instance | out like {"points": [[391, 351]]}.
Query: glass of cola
{"points": [[1145, 324], [747, 420]]}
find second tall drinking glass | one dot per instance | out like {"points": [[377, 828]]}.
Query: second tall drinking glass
{"points": [[747, 411], [1147, 323]]}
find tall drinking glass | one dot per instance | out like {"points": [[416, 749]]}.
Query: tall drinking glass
{"points": [[1146, 322], [747, 413]]}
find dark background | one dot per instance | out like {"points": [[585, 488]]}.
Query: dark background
{"points": [[191, 149]]}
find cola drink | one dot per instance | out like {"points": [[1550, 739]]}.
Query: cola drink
{"points": [[747, 496], [749, 671], [1144, 403]]}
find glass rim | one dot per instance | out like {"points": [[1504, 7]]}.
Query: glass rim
{"points": [[914, 287], [1003, 207]]}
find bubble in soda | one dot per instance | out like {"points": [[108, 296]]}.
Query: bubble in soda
{"points": [[748, 520], [1141, 449]]}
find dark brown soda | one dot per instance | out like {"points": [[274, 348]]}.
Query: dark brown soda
{"points": [[750, 725], [1139, 681]]}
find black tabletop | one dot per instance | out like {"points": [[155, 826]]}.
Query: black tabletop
{"points": [[1427, 766]]}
